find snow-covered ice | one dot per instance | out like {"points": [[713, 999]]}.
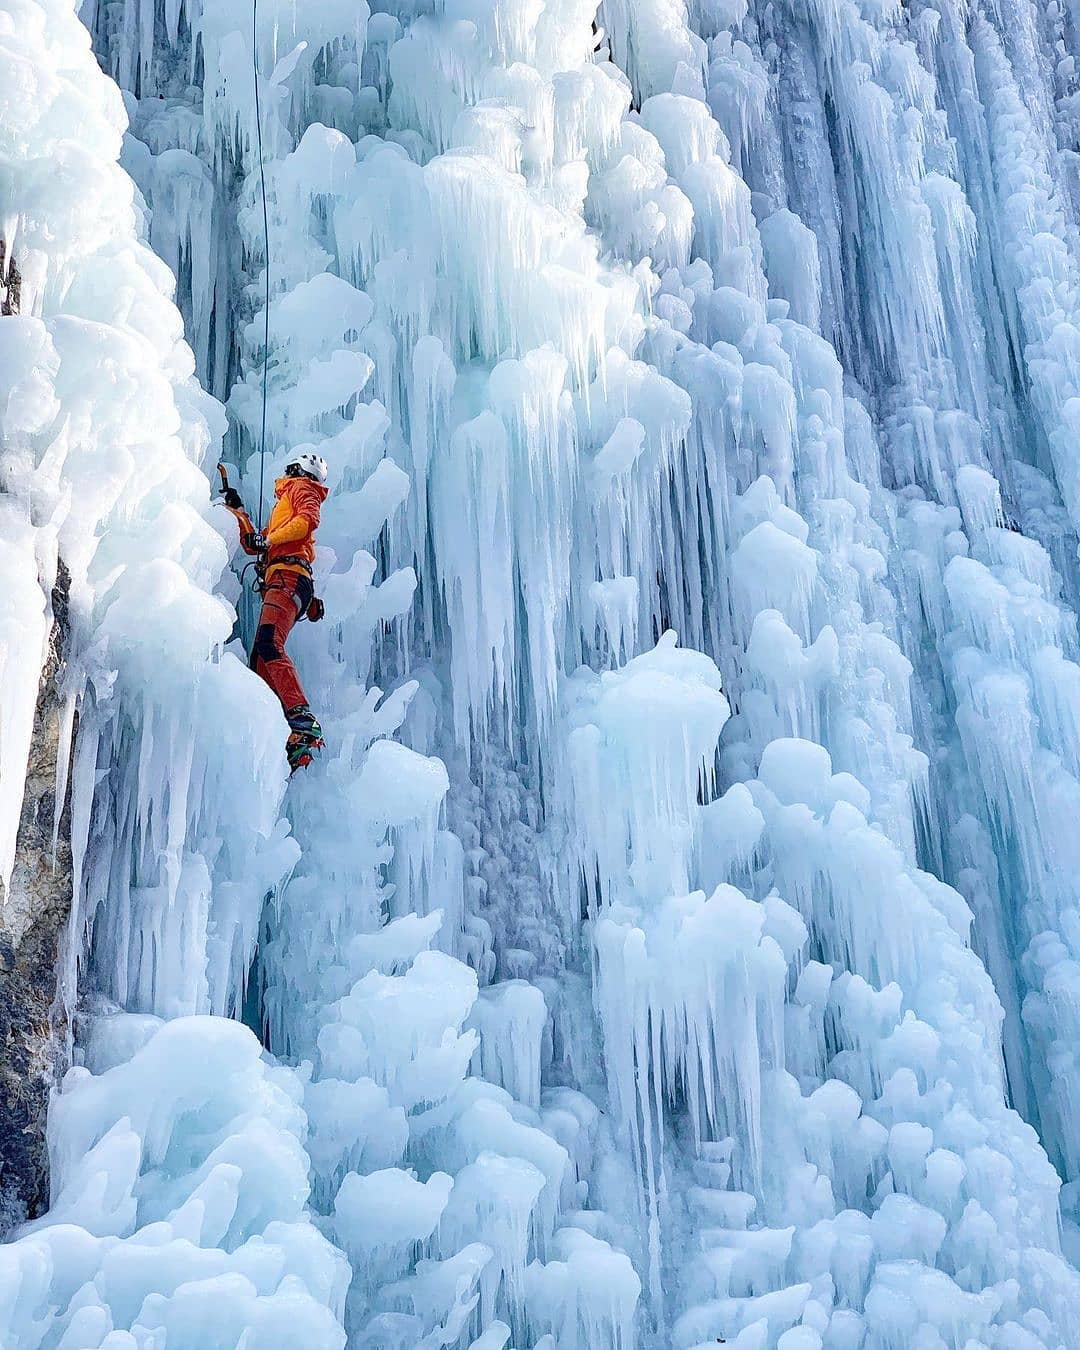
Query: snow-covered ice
{"points": [[678, 938]]}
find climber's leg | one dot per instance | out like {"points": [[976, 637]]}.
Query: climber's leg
{"points": [[280, 610]]}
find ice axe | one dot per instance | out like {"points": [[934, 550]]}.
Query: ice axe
{"points": [[233, 503], [229, 495]]}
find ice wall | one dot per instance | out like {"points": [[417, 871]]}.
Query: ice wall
{"points": [[174, 792], [638, 989], [105, 430]]}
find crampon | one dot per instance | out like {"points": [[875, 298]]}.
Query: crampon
{"points": [[300, 749]]}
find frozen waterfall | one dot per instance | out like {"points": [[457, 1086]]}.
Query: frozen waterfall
{"points": [[678, 940]]}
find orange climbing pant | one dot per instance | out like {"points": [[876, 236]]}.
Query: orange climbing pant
{"points": [[286, 597]]}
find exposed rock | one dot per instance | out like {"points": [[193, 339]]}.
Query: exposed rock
{"points": [[10, 283], [33, 917]]}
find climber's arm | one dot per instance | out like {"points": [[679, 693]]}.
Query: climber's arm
{"points": [[234, 504], [248, 533]]}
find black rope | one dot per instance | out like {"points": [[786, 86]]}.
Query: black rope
{"points": [[266, 249]]}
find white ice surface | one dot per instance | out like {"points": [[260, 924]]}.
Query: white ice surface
{"points": [[617, 988]]}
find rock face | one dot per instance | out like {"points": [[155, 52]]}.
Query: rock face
{"points": [[10, 283], [33, 917]]}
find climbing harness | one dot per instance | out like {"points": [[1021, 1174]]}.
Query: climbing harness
{"points": [[292, 560], [314, 610]]}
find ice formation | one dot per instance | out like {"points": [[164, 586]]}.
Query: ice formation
{"points": [[678, 939]]}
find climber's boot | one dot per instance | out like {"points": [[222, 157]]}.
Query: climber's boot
{"points": [[302, 719], [305, 736], [300, 749]]}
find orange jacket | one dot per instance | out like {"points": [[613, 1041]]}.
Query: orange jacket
{"points": [[290, 531]]}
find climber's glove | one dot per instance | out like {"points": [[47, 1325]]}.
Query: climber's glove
{"points": [[255, 542], [231, 498]]}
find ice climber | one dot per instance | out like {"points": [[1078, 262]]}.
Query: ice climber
{"points": [[285, 553]]}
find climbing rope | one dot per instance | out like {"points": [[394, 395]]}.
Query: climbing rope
{"points": [[266, 251]]}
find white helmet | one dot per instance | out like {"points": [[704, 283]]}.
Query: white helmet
{"points": [[307, 466]]}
